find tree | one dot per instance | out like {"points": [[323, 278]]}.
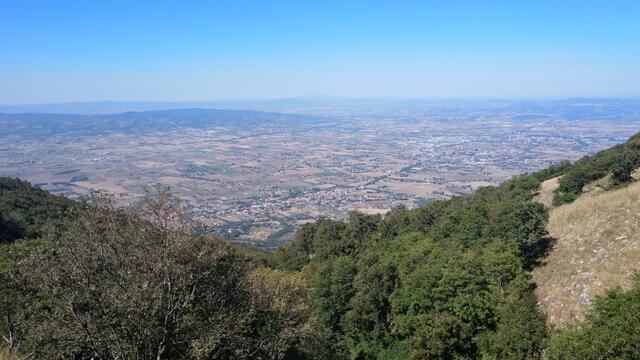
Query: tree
{"points": [[332, 289], [521, 331], [280, 311], [136, 284], [442, 337], [366, 324], [621, 172], [295, 255]]}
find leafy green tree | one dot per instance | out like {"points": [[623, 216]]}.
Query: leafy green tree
{"points": [[521, 332], [327, 239], [621, 172], [366, 323], [442, 336], [294, 256], [396, 350], [332, 289], [359, 230]]}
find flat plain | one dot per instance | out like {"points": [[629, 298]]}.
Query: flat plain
{"points": [[256, 184]]}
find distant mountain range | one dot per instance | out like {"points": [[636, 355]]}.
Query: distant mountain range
{"points": [[77, 118], [574, 108], [38, 125]]}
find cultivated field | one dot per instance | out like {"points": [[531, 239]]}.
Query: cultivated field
{"points": [[254, 180]]}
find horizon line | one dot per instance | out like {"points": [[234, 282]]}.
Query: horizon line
{"points": [[320, 98]]}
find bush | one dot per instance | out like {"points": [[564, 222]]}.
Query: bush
{"points": [[136, 284], [611, 330], [621, 172]]}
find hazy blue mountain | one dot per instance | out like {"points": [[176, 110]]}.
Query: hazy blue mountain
{"points": [[293, 111], [38, 125], [570, 109]]}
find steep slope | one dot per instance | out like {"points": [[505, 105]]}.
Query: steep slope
{"points": [[25, 210], [545, 193], [597, 247], [617, 162]]}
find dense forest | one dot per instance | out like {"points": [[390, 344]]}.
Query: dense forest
{"points": [[449, 280]]}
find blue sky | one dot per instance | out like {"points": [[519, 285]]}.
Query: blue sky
{"points": [[52, 51]]}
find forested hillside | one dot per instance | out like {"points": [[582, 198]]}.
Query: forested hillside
{"points": [[25, 210], [444, 281], [450, 280]]}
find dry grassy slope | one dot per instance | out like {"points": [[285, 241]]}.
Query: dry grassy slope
{"points": [[545, 193], [597, 247], [6, 355]]}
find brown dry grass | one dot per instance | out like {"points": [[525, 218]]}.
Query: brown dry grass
{"points": [[597, 247], [8, 355], [545, 193]]}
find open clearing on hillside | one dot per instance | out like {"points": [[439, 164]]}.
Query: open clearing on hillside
{"points": [[545, 196], [597, 248]]}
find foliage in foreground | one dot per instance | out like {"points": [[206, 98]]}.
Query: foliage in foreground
{"points": [[611, 330], [137, 285]]}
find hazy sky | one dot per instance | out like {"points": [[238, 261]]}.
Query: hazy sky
{"points": [[54, 51]]}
